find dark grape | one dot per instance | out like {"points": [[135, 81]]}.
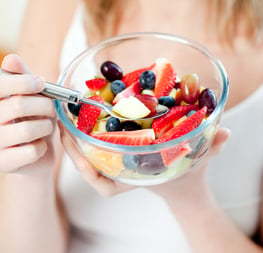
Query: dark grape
{"points": [[74, 109], [207, 98], [147, 80], [111, 71], [177, 85], [167, 101], [113, 124], [130, 161], [117, 86], [150, 164], [130, 126]]}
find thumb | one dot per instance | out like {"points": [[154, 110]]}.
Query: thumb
{"points": [[222, 135], [14, 63]]}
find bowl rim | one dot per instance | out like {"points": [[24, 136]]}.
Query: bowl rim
{"points": [[155, 147]]}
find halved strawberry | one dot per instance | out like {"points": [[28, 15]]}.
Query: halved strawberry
{"points": [[149, 101], [163, 124], [165, 75], [88, 115], [175, 153], [134, 76], [96, 83], [184, 127], [133, 138], [132, 90]]}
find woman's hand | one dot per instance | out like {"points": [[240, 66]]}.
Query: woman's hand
{"points": [[104, 186], [192, 183], [107, 187], [26, 119]]}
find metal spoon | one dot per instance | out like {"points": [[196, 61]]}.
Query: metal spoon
{"points": [[75, 97]]}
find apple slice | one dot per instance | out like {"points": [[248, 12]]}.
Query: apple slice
{"points": [[149, 101], [132, 90], [131, 108]]}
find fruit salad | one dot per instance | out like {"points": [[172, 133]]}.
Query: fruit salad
{"points": [[136, 95]]}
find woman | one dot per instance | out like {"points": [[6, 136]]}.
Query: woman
{"points": [[35, 189]]}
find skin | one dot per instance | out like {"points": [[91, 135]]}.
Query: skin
{"points": [[39, 224]]}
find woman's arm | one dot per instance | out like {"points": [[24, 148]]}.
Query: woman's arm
{"points": [[30, 216], [206, 226], [45, 25]]}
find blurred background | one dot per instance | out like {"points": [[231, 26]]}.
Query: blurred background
{"points": [[11, 13]]}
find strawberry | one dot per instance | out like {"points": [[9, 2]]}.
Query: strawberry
{"points": [[88, 115], [133, 138], [184, 127], [164, 77], [175, 153], [132, 90], [133, 76], [149, 101], [96, 83], [163, 124]]}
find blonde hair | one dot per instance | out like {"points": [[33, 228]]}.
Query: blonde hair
{"points": [[228, 14], [103, 16]]}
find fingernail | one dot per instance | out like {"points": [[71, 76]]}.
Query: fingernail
{"points": [[40, 83]]}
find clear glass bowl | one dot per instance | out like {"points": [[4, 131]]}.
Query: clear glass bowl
{"points": [[134, 51]]}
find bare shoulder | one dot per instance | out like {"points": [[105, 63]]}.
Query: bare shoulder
{"points": [[44, 27]]}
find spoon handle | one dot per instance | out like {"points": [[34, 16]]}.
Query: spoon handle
{"points": [[61, 93], [74, 97], [55, 91]]}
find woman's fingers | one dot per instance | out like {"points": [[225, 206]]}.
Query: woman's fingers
{"points": [[26, 118], [14, 158], [222, 135], [20, 84], [104, 186], [16, 107], [24, 132], [14, 63]]}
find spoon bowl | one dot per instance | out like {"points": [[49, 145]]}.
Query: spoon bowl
{"points": [[160, 110]]}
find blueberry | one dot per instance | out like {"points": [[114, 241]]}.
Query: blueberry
{"points": [[74, 109], [117, 86], [147, 80], [150, 164], [130, 161], [167, 101], [190, 113], [130, 126], [113, 124], [111, 71]]}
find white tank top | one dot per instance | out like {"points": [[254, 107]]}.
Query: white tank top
{"points": [[140, 221]]}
